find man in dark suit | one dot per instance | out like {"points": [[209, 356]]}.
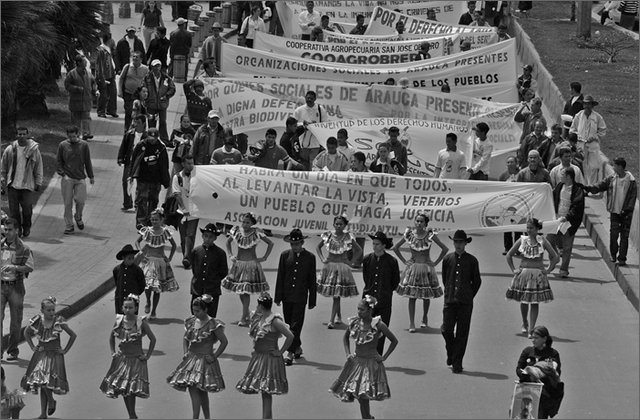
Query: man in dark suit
{"points": [[295, 281], [574, 105], [467, 17], [124, 50], [209, 267], [381, 276], [461, 281]]}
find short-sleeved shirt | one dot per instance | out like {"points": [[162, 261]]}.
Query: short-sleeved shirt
{"points": [[450, 163], [272, 156], [222, 157]]}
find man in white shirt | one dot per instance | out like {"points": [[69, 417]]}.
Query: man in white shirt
{"points": [[588, 123], [308, 19], [308, 114], [181, 187], [557, 173], [451, 163], [343, 146], [331, 159], [482, 149]]}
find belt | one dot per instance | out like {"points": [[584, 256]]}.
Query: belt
{"points": [[9, 282]]}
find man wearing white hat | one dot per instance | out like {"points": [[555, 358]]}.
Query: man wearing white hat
{"points": [[161, 88], [209, 137]]}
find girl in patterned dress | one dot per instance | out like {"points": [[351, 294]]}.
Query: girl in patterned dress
{"points": [[128, 374], [199, 371], [155, 265], [266, 372], [336, 279], [246, 276], [530, 285], [363, 376], [46, 369], [420, 280]]}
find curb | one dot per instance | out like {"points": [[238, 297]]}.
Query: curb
{"points": [[86, 297]]}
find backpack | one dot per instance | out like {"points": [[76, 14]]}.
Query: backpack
{"points": [[170, 206]]}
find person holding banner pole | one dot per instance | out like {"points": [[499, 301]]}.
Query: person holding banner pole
{"points": [[482, 150], [336, 279], [510, 175], [420, 280], [306, 114]]}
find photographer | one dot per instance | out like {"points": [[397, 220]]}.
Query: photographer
{"points": [[267, 154]]}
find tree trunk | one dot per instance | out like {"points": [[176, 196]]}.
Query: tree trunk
{"points": [[584, 20]]}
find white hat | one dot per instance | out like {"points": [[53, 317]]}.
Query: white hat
{"points": [[566, 120], [156, 62], [181, 21], [213, 114]]}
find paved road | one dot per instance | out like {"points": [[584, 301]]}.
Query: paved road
{"points": [[594, 326]]}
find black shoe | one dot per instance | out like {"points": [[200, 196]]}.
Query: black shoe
{"points": [[457, 369], [80, 224], [620, 263], [87, 137], [186, 264], [69, 231], [139, 226], [449, 361], [298, 353], [102, 115], [613, 259], [126, 209], [26, 232], [12, 356], [115, 115]]}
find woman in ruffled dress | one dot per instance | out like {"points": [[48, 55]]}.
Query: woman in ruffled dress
{"points": [[246, 276], [420, 280], [128, 374], [199, 371], [46, 370], [336, 279], [363, 376], [155, 265], [530, 285], [266, 372]]}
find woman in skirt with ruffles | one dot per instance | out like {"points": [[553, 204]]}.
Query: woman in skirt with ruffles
{"points": [[199, 371], [420, 280], [128, 374], [246, 276], [46, 370], [363, 376], [336, 279], [530, 285], [266, 372]]}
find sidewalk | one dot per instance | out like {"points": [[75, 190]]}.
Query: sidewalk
{"points": [[77, 269]]}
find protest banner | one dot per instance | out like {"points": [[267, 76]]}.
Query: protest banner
{"points": [[383, 21], [423, 139], [361, 54], [488, 72], [283, 200], [249, 105], [343, 13], [477, 39]]}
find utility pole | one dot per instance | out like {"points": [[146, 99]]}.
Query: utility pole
{"points": [[584, 20]]}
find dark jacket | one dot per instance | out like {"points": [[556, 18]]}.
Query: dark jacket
{"points": [[382, 282], [158, 98], [180, 43], [209, 267], [158, 48], [576, 208], [573, 109], [140, 152], [197, 108], [20, 257], [607, 185], [296, 278], [128, 279], [469, 271], [82, 88], [201, 140], [126, 147], [123, 52]]}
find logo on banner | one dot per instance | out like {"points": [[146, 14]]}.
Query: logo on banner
{"points": [[504, 210]]}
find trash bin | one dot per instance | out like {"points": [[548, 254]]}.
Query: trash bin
{"points": [[124, 11], [226, 14], [218, 12], [194, 12], [179, 68], [107, 12], [205, 27], [138, 6], [195, 33]]}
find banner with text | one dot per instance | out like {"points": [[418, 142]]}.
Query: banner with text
{"points": [[423, 139], [283, 200], [477, 39], [343, 14], [371, 54], [248, 105], [383, 21], [482, 73]]}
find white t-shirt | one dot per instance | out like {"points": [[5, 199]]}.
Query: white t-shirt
{"points": [[317, 113], [450, 164], [565, 200], [21, 163]]}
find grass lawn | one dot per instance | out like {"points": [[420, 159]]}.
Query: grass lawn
{"points": [[48, 132], [613, 85]]}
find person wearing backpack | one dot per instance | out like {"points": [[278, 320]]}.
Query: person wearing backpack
{"points": [[131, 77]]}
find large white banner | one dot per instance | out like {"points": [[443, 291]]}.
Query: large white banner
{"points": [[283, 200], [423, 139], [372, 54], [343, 13], [383, 21], [477, 39], [249, 105], [487, 72]]}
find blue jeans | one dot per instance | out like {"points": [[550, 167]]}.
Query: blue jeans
{"points": [[147, 196], [13, 294], [188, 230], [620, 227], [73, 190], [566, 242], [21, 206]]}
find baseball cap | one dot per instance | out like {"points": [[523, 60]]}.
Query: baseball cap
{"points": [[156, 62], [131, 28], [213, 114], [528, 67], [181, 21]]}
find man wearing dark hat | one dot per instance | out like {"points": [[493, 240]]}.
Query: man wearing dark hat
{"points": [[526, 81], [381, 276], [296, 279], [180, 44], [128, 276], [588, 123], [461, 281], [209, 267]]}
